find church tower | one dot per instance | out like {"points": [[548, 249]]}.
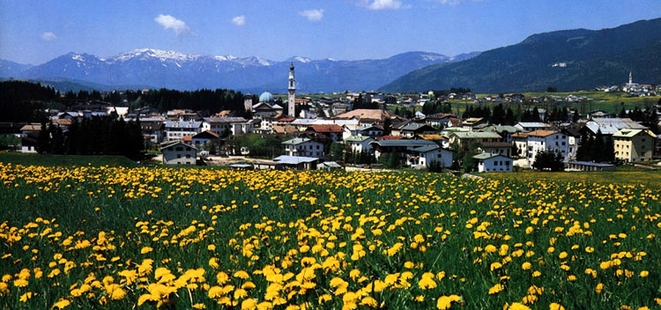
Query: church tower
{"points": [[291, 90]]}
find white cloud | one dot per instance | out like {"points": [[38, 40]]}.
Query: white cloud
{"points": [[169, 22], [312, 15], [382, 4], [239, 20], [48, 36]]}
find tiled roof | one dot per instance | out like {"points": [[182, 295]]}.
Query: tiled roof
{"points": [[326, 128]]}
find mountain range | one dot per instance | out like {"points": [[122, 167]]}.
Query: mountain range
{"points": [[566, 60], [152, 68]]}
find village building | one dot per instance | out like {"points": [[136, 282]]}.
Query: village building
{"points": [[634, 145], [430, 155], [531, 143], [178, 153], [303, 147], [487, 162], [177, 130]]}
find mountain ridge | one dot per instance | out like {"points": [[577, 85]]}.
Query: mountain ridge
{"points": [[567, 60], [170, 69]]}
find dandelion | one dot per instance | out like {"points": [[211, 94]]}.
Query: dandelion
{"points": [[556, 306], [445, 302], [599, 288], [61, 304], [496, 289], [26, 296]]}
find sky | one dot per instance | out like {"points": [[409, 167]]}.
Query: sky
{"points": [[34, 32]]}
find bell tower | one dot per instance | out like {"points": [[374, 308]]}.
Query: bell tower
{"points": [[291, 92]]}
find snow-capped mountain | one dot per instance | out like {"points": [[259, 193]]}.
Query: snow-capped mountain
{"points": [[170, 69]]}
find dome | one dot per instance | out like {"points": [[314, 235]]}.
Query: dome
{"points": [[266, 97]]}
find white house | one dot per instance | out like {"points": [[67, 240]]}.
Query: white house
{"points": [[531, 143], [303, 147], [223, 126], [493, 163], [177, 130], [178, 153], [425, 156], [359, 144]]}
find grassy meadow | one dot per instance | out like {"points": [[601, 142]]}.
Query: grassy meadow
{"points": [[117, 237]]}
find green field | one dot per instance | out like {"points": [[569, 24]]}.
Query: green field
{"points": [[116, 237]]}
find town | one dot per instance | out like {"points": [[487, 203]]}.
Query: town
{"points": [[363, 130]]}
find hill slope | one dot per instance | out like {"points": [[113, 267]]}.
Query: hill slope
{"points": [[568, 60]]}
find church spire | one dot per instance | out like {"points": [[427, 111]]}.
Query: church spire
{"points": [[291, 92]]}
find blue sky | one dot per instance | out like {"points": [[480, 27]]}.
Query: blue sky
{"points": [[33, 32]]}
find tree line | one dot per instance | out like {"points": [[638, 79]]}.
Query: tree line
{"points": [[93, 136]]}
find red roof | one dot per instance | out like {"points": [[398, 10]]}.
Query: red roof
{"points": [[390, 138], [332, 128]]}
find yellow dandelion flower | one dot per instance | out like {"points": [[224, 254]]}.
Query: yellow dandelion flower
{"points": [[61, 304], [249, 304], [556, 306], [369, 301], [20, 283], [325, 298], [241, 274], [25, 297], [213, 263], [427, 283], [496, 289], [644, 274], [445, 302], [599, 288], [526, 266], [146, 250]]}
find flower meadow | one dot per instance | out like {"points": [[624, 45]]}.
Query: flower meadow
{"points": [[189, 238]]}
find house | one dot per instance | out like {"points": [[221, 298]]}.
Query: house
{"points": [[501, 148], [183, 115], [296, 162], [505, 131], [359, 144], [428, 155], [531, 143], [30, 137], [153, 129], [466, 138], [402, 147], [373, 131], [532, 126], [440, 120], [473, 122], [609, 126], [303, 147], [332, 132], [493, 163], [224, 126], [178, 153], [177, 130], [206, 140], [410, 130], [634, 145]]}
